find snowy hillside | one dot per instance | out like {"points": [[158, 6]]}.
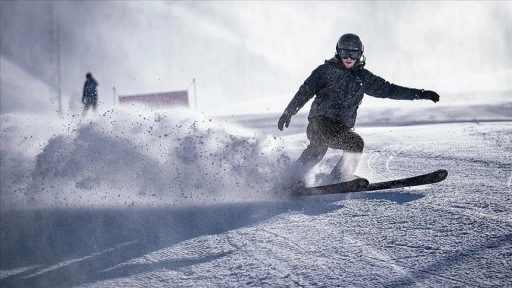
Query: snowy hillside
{"points": [[131, 197], [159, 199], [20, 91]]}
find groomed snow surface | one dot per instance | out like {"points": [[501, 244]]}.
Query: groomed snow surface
{"points": [[178, 199]]}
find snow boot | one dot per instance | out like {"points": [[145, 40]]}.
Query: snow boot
{"points": [[293, 179], [345, 168]]}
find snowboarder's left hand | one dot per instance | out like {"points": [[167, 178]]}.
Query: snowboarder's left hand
{"points": [[284, 120], [429, 95]]}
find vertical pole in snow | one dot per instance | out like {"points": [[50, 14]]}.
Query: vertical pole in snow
{"points": [[195, 93], [114, 98], [57, 40]]}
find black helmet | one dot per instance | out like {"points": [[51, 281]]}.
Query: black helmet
{"points": [[350, 41]]}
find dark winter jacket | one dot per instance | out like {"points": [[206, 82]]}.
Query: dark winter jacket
{"points": [[90, 94], [339, 91]]}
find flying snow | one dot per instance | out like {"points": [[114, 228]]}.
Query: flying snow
{"points": [[133, 158]]}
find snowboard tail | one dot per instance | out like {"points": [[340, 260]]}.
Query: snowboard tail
{"points": [[430, 178], [362, 185]]}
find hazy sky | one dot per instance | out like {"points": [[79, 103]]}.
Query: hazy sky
{"points": [[253, 56]]}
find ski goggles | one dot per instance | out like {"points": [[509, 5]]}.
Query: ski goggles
{"points": [[352, 54]]}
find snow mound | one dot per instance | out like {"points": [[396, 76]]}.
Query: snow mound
{"points": [[133, 158]]}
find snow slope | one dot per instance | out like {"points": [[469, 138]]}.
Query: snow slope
{"points": [[176, 198], [20, 91]]}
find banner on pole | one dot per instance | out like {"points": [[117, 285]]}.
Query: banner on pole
{"points": [[158, 100]]}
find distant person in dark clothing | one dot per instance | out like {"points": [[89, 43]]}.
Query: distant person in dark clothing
{"points": [[339, 85], [90, 94]]}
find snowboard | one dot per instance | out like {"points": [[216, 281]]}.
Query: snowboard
{"points": [[429, 178], [355, 185], [362, 185]]}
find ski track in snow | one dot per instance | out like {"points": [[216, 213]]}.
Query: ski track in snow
{"points": [[457, 233]]}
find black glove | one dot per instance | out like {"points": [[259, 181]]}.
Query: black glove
{"points": [[429, 95], [284, 120]]}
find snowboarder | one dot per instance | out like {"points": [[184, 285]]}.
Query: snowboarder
{"points": [[339, 85], [90, 94]]}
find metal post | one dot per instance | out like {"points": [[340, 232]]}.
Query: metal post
{"points": [[57, 40], [114, 98], [195, 93]]}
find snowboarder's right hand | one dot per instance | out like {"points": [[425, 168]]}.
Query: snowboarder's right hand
{"points": [[284, 120], [429, 95]]}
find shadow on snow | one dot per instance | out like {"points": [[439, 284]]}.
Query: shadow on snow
{"points": [[71, 247]]}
